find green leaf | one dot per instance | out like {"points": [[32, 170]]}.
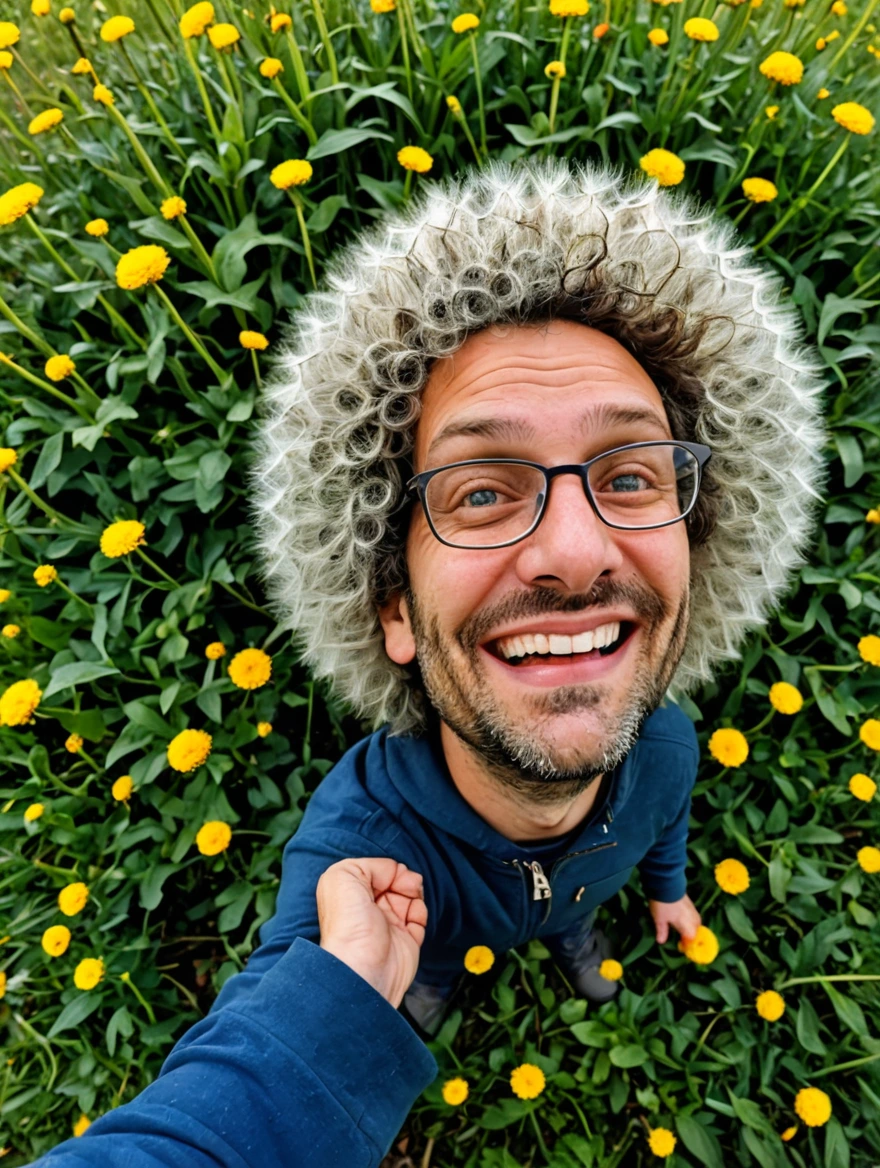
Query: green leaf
{"points": [[847, 1010], [151, 885], [87, 723], [324, 214], [50, 457], [245, 297], [75, 1012], [739, 922], [699, 1141], [52, 634], [121, 1023], [779, 878], [836, 1145], [749, 1113], [159, 230], [630, 1055], [132, 187], [143, 715], [506, 1112], [807, 1028], [834, 307], [77, 673], [335, 141]]}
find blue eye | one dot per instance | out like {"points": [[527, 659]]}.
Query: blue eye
{"points": [[631, 482]]}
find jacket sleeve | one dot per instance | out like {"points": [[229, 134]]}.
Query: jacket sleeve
{"points": [[313, 1068], [663, 867], [307, 856]]}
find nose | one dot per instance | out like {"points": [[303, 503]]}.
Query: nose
{"points": [[571, 543]]}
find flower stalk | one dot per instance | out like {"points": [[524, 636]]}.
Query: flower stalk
{"points": [[801, 202], [479, 84], [191, 336], [299, 69]]}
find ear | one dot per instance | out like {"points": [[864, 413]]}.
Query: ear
{"points": [[400, 644]]}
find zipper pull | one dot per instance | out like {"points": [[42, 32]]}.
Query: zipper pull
{"points": [[540, 883]]}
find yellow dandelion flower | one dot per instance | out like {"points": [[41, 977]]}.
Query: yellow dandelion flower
{"points": [[821, 95], [292, 173], [72, 899], [455, 1091], [793, 3], [4, 595], [45, 574], [97, 227], [270, 67], [215, 650], [853, 117], [59, 367], [55, 940], [47, 120], [454, 106], [33, 812], [783, 67], [873, 516], [870, 733], [759, 190], [869, 859], [770, 1005], [661, 1141], [173, 207], [382, 5], [2, 984], [833, 35], [611, 970], [527, 1081], [142, 265], [116, 28], [479, 959], [88, 973], [9, 34], [264, 729], [556, 69], [250, 669], [18, 702], [820, 44], [812, 1106], [73, 743], [700, 29], [788, 1134], [658, 36], [785, 698], [839, 8], [103, 95], [121, 538], [17, 201], [569, 7], [869, 649], [40, 7], [82, 1125], [732, 876], [465, 22], [189, 749], [415, 158], [195, 20], [729, 747], [11, 631], [6, 59], [223, 36], [667, 168], [771, 111], [213, 837], [67, 16], [8, 458], [251, 340], [280, 21], [122, 788], [862, 787], [82, 65], [701, 949]]}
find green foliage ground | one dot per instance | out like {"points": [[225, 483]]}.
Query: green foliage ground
{"points": [[156, 427]]}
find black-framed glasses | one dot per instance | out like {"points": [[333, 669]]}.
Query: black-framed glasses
{"points": [[493, 502]]}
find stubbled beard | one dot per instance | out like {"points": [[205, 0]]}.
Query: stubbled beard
{"points": [[514, 757]]}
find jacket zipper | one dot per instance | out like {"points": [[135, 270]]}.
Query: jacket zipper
{"points": [[541, 887]]}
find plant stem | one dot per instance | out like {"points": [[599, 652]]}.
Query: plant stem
{"points": [[154, 109], [45, 385], [194, 340], [299, 69], [405, 47], [479, 82], [325, 37], [206, 101], [300, 117], [156, 568], [801, 202], [297, 202]]}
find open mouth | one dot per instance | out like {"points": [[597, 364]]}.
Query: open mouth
{"points": [[627, 628]]}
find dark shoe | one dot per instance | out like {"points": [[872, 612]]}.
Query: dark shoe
{"points": [[426, 1005], [581, 967]]}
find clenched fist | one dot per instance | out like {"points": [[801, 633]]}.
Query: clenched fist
{"points": [[372, 915]]}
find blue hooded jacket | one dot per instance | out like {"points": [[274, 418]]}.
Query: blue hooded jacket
{"points": [[299, 1061]]}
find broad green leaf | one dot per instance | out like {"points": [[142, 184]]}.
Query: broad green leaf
{"points": [[50, 457], [699, 1141], [630, 1055], [151, 885], [336, 141], [75, 1012], [807, 1027], [77, 673]]}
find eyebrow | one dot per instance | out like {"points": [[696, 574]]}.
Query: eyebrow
{"points": [[516, 429]]}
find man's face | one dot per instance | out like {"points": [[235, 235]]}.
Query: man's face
{"points": [[560, 722]]}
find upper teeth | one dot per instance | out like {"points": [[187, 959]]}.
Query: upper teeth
{"points": [[556, 643]]}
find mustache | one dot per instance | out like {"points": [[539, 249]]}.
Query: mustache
{"points": [[647, 606]]}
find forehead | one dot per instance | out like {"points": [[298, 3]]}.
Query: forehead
{"points": [[547, 376]]}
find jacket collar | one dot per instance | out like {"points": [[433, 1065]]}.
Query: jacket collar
{"points": [[417, 768]]}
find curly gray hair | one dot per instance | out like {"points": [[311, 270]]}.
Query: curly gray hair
{"points": [[520, 243]]}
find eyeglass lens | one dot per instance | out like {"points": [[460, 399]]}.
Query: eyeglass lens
{"points": [[491, 503]]}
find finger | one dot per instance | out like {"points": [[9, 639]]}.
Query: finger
{"points": [[407, 882], [394, 903], [416, 931], [662, 932], [417, 913]]}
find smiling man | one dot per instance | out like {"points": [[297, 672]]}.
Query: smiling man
{"points": [[543, 453]]}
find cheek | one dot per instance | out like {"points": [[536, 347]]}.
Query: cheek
{"points": [[664, 562]]}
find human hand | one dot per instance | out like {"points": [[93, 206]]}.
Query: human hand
{"points": [[681, 914], [372, 915]]}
